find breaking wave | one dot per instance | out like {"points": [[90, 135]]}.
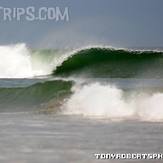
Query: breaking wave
{"points": [[18, 61], [15, 62], [76, 85], [112, 63], [106, 101]]}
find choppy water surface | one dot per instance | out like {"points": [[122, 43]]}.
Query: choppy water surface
{"points": [[27, 137]]}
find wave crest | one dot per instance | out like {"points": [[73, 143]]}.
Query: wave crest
{"points": [[17, 61], [116, 63]]}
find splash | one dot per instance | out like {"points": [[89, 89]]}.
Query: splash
{"points": [[15, 62], [106, 101]]}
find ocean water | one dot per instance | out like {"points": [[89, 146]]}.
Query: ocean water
{"points": [[43, 138], [66, 105]]}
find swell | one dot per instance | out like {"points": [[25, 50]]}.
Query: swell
{"points": [[21, 62], [35, 96], [114, 63]]}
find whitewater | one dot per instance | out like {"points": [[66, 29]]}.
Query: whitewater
{"points": [[65, 105], [78, 82], [18, 63], [21, 62]]}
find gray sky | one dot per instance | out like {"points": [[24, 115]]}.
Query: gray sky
{"points": [[120, 23]]}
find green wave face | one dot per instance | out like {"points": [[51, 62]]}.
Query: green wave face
{"points": [[35, 96], [112, 63]]}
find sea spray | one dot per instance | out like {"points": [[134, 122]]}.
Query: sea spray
{"points": [[18, 61], [15, 62], [106, 101]]}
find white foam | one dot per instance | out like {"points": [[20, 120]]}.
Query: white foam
{"points": [[16, 62], [106, 101]]}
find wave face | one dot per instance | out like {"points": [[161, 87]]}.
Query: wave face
{"points": [[92, 82], [35, 96], [21, 62], [114, 63]]}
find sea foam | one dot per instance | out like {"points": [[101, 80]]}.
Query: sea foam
{"points": [[16, 62], [106, 101]]}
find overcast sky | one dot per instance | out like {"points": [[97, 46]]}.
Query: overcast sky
{"points": [[120, 23]]}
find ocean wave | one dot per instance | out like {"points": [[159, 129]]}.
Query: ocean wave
{"points": [[97, 100], [95, 81], [18, 61], [112, 63], [34, 97]]}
